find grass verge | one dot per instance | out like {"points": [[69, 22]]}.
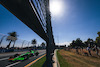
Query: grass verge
{"points": [[39, 63], [77, 60], [62, 61]]}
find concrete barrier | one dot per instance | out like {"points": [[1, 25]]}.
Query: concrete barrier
{"points": [[55, 59]]}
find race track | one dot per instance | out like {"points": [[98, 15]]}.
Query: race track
{"points": [[5, 63]]}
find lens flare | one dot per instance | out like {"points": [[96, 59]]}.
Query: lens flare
{"points": [[56, 7]]}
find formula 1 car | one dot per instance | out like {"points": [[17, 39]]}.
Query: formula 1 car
{"points": [[21, 57]]}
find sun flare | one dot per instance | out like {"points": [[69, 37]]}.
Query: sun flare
{"points": [[56, 7]]}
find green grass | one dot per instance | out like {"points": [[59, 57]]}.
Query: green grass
{"points": [[39, 63], [62, 61]]}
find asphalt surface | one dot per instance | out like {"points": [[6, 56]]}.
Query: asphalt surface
{"points": [[5, 63]]}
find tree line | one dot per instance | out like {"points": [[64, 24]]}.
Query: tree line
{"points": [[79, 43]]}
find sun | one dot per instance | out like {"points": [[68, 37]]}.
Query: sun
{"points": [[56, 7]]}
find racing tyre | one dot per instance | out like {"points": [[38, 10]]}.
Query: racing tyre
{"points": [[26, 57], [36, 54]]}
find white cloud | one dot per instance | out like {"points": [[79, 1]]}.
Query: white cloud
{"points": [[64, 43]]}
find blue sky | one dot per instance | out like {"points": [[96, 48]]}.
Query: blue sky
{"points": [[79, 19], [9, 23]]}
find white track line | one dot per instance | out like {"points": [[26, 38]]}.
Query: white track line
{"points": [[13, 64], [4, 58]]}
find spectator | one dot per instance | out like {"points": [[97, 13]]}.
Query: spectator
{"points": [[89, 50], [77, 50], [97, 50]]}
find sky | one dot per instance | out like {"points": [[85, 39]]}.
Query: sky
{"points": [[75, 19]]}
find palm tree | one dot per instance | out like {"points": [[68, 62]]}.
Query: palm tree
{"points": [[14, 43], [43, 44], [34, 42], [12, 37]]}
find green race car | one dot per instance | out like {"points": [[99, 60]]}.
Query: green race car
{"points": [[21, 57]]}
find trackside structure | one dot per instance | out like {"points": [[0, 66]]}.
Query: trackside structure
{"points": [[36, 15]]}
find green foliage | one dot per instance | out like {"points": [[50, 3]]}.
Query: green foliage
{"points": [[98, 39], [85, 44], [13, 34], [98, 34], [89, 43], [34, 41], [78, 42], [43, 44]]}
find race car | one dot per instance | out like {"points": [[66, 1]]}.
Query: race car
{"points": [[21, 57]]}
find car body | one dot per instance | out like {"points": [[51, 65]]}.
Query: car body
{"points": [[25, 56]]}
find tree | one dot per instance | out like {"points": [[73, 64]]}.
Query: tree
{"points": [[98, 39], [97, 42], [73, 44], [85, 44], [43, 44], [12, 37], [78, 42], [90, 42], [34, 42]]}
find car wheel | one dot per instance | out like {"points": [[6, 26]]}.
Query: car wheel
{"points": [[36, 54], [26, 57], [32, 54]]}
